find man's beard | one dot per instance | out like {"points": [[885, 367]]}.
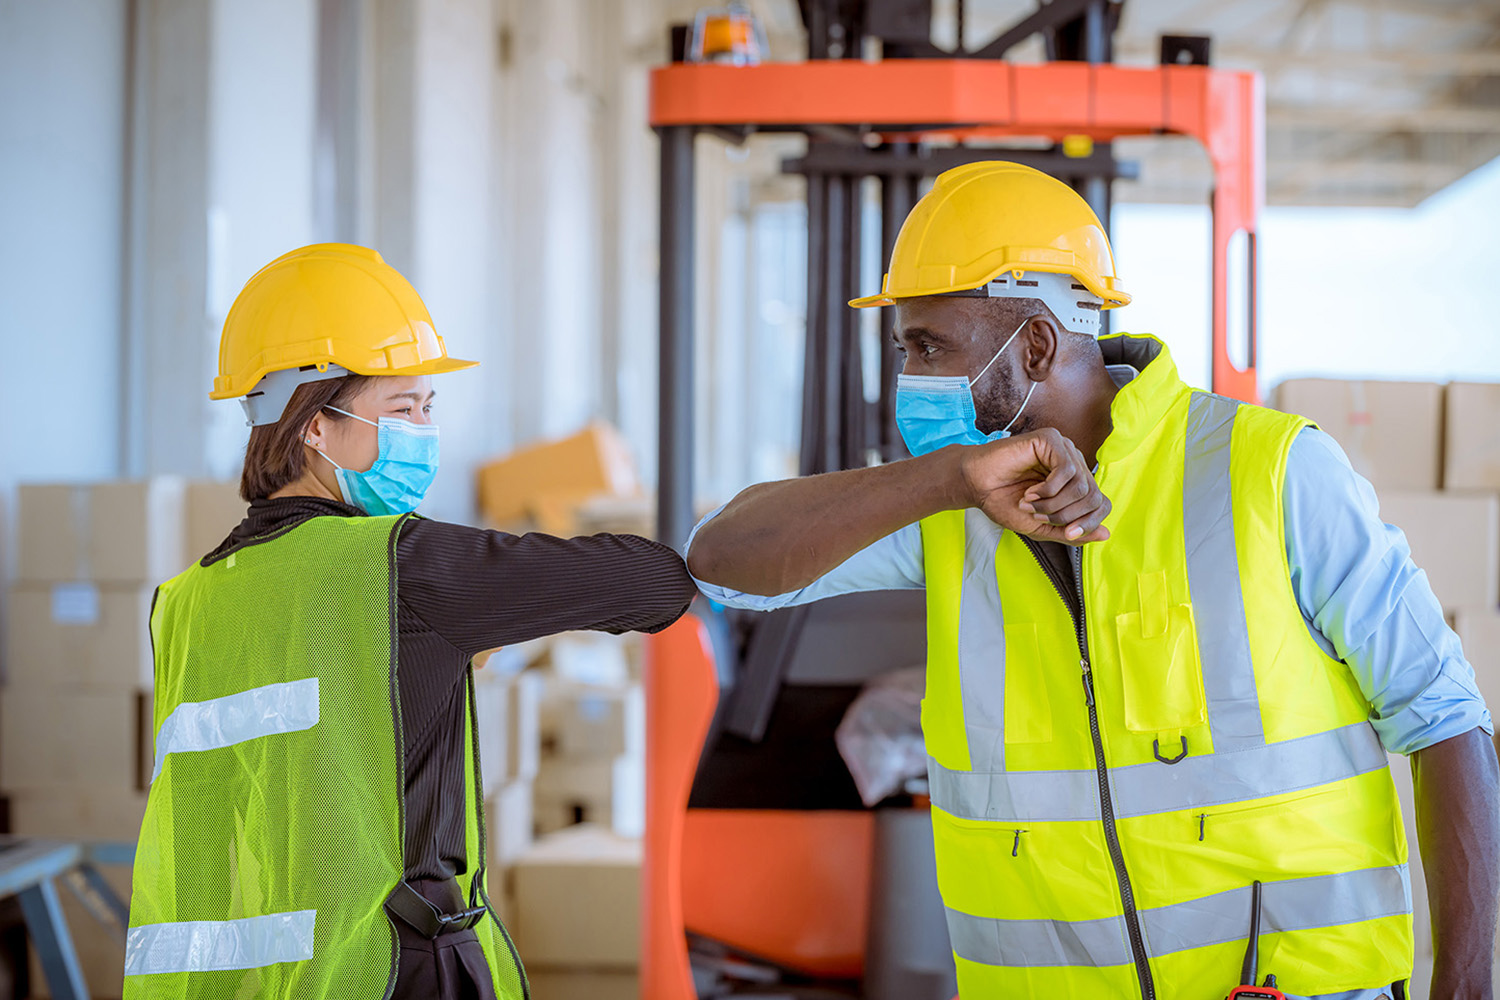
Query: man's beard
{"points": [[996, 401]]}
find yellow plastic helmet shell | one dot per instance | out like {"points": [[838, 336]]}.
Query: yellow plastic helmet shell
{"points": [[328, 304], [985, 219]]}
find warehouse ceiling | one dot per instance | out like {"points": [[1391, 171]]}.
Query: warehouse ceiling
{"points": [[1368, 102]]}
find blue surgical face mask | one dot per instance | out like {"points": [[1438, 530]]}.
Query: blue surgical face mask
{"points": [[934, 411], [403, 471]]}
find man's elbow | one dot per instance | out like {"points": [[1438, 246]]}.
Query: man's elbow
{"points": [[705, 559]]}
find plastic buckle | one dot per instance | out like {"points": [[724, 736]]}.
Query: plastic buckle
{"points": [[462, 920]]}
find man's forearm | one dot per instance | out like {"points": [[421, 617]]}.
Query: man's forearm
{"points": [[1458, 826], [778, 537]]}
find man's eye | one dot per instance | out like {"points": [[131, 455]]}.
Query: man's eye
{"points": [[928, 350]]}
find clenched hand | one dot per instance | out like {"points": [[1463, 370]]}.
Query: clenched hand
{"points": [[1037, 484]]}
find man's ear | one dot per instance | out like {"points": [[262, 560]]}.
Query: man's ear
{"points": [[1039, 342]]}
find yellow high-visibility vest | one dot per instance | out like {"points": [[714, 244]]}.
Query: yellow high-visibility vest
{"points": [[1105, 790], [274, 831]]}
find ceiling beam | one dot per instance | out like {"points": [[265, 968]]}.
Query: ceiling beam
{"points": [[1358, 173], [1469, 62], [1443, 118]]}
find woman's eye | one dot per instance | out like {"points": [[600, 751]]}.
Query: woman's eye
{"points": [[404, 409]]}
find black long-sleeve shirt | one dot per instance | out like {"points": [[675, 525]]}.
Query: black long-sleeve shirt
{"points": [[462, 590]]}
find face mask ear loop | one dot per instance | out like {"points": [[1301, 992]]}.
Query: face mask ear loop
{"points": [[975, 380], [1021, 410], [323, 453], [346, 413]]}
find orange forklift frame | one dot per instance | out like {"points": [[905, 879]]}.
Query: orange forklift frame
{"points": [[794, 888]]}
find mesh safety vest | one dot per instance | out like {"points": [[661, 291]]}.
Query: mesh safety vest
{"points": [[1106, 789], [274, 829]]}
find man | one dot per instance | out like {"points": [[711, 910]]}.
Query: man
{"points": [[1124, 736]]}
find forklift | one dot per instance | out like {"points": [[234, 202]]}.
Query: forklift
{"points": [[764, 874]]}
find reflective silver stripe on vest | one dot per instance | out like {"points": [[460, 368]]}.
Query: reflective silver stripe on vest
{"points": [[222, 722], [1089, 943], [1214, 576], [1291, 905], [1288, 905], [981, 645], [216, 945], [1146, 789]]}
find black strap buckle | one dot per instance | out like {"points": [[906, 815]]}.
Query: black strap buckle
{"points": [[418, 912]]}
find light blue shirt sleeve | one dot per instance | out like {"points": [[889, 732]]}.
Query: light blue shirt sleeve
{"points": [[893, 563], [1362, 594]]}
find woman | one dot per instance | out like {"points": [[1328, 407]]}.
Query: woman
{"points": [[314, 827]]}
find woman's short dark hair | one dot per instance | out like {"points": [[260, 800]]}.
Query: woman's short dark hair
{"points": [[274, 456]]}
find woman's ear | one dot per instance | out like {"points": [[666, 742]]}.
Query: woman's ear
{"points": [[314, 435]]}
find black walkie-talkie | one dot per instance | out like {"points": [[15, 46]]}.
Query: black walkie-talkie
{"points": [[1249, 972]]}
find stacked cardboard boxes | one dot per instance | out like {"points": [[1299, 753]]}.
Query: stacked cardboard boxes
{"points": [[576, 915], [76, 711], [1445, 499], [1432, 453], [544, 486], [508, 708], [593, 738], [75, 715]]}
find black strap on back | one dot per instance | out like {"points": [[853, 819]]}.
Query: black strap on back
{"points": [[418, 912]]}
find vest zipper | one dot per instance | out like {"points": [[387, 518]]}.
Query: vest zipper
{"points": [[1106, 803]]}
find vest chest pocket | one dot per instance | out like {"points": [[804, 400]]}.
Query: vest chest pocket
{"points": [[1028, 709], [1162, 679]]}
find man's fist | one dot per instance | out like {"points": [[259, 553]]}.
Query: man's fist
{"points": [[1036, 484]]}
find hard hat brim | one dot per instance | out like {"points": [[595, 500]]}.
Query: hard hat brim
{"points": [[1113, 296], [437, 366]]}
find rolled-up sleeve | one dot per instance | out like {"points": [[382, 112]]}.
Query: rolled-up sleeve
{"points": [[1359, 589], [893, 563]]}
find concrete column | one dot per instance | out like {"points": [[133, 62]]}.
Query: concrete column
{"points": [[434, 64], [62, 155]]}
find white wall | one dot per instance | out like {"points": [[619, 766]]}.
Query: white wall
{"points": [[451, 157], [1346, 292], [263, 72], [62, 150]]}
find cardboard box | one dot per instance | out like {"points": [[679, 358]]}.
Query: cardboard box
{"points": [[1471, 431], [608, 791], [214, 509], [591, 721], [1391, 431], [492, 712], [523, 730], [95, 814], [1421, 912], [101, 954], [575, 984], [126, 532], [80, 635], [508, 824], [577, 902], [1479, 631], [56, 739], [1455, 538], [546, 481], [589, 658]]}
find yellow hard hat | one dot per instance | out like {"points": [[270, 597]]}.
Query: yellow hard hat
{"points": [[327, 307], [986, 219]]}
